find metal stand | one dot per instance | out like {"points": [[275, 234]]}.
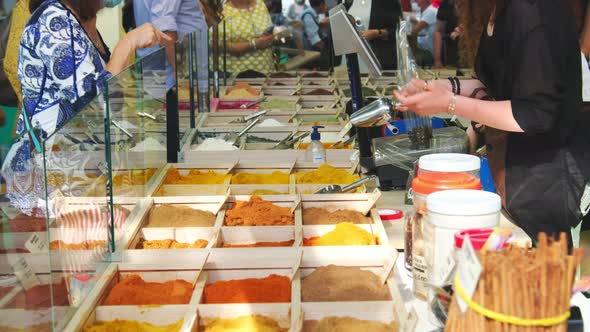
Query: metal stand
{"points": [[364, 135], [172, 126]]}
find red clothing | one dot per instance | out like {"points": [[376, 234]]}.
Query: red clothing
{"points": [[406, 5], [436, 3]]}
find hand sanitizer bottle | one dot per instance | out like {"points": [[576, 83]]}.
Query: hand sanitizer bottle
{"points": [[316, 152]]}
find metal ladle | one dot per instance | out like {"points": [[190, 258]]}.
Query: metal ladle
{"points": [[336, 189], [234, 138], [244, 119]]}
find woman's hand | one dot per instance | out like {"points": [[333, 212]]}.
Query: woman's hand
{"points": [[264, 41], [417, 86], [147, 36], [456, 33], [427, 98], [371, 34]]}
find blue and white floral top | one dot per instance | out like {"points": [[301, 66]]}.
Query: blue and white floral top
{"points": [[60, 70]]}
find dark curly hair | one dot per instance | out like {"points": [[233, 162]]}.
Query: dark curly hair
{"points": [[84, 9], [473, 18]]}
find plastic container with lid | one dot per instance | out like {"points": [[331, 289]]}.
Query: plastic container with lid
{"points": [[422, 186], [450, 163], [452, 211]]}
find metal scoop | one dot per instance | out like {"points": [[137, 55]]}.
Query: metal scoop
{"points": [[244, 119], [335, 189], [377, 113], [252, 103], [234, 138]]}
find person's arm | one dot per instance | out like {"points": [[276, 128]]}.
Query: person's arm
{"points": [[144, 36], [438, 41], [164, 14], [536, 98], [312, 31], [240, 48], [418, 27]]}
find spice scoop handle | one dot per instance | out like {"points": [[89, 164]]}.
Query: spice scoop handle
{"points": [[255, 115], [248, 127], [358, 183]]}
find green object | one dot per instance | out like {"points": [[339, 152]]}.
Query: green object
{"points": [[278, 104], [367, 92], [6, 131]]}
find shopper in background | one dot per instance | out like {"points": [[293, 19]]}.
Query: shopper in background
{"points": [[56, 85], [446, 35], [538, 141], [385, 16], [248, 36], [423, 29], [296, 9], [275, 8], [176, 18]]}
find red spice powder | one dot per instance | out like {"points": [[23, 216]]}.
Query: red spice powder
{"points": [[272, 289]]}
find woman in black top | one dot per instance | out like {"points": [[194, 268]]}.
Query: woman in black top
{"points": [[528, 61], [385, 15]]}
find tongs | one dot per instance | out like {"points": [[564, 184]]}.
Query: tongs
{"points": [[336, 189], [244, 119], [290, 141], [252, 103]]}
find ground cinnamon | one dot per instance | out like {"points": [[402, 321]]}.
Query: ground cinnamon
{"points": [[272, 289]]}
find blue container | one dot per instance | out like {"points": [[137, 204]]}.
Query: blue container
{"points": [[437, 123], [485, 176]]}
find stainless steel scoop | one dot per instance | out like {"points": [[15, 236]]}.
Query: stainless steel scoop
{"points": [[377, 113], [244, 119], [335, 189], [234, 138]]}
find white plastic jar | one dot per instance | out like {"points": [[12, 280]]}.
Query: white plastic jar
{"points": [[449, 163], [451, 211]]}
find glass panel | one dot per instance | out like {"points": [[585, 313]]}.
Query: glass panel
{"points": [[137, 126], [77, 213]]}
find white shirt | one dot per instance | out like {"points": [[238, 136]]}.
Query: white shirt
{"points": [[425, 38]]}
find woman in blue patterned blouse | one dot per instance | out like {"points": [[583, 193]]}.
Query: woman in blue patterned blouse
{"points": [[63, 65]]}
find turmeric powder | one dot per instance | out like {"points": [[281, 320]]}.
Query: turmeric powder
{"points": [[345, 234], [326, 174], [272, 289], [261, 178]]}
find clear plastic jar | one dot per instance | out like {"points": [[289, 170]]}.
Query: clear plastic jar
{"points": [[422, 186]]}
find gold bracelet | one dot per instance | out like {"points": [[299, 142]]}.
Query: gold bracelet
{"points": [[452, 105]]}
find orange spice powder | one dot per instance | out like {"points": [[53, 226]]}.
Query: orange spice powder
{"points": [[258, 212], [261, 244], [272, 289], [133, 290]]}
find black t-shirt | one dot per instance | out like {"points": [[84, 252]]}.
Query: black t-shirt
{"points": [[446, 13], [533, 60], [385, 14]]}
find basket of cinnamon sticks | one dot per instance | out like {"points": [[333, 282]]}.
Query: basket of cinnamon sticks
{"points": [[520, 290]]}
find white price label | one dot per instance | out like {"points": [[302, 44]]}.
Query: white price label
{"points": [[23, 271], [448, 270], [468, 273], [36, 244]]}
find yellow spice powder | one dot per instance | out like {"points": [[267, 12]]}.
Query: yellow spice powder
{"points": [[131, 325], [326, 174], [251, 323]]}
